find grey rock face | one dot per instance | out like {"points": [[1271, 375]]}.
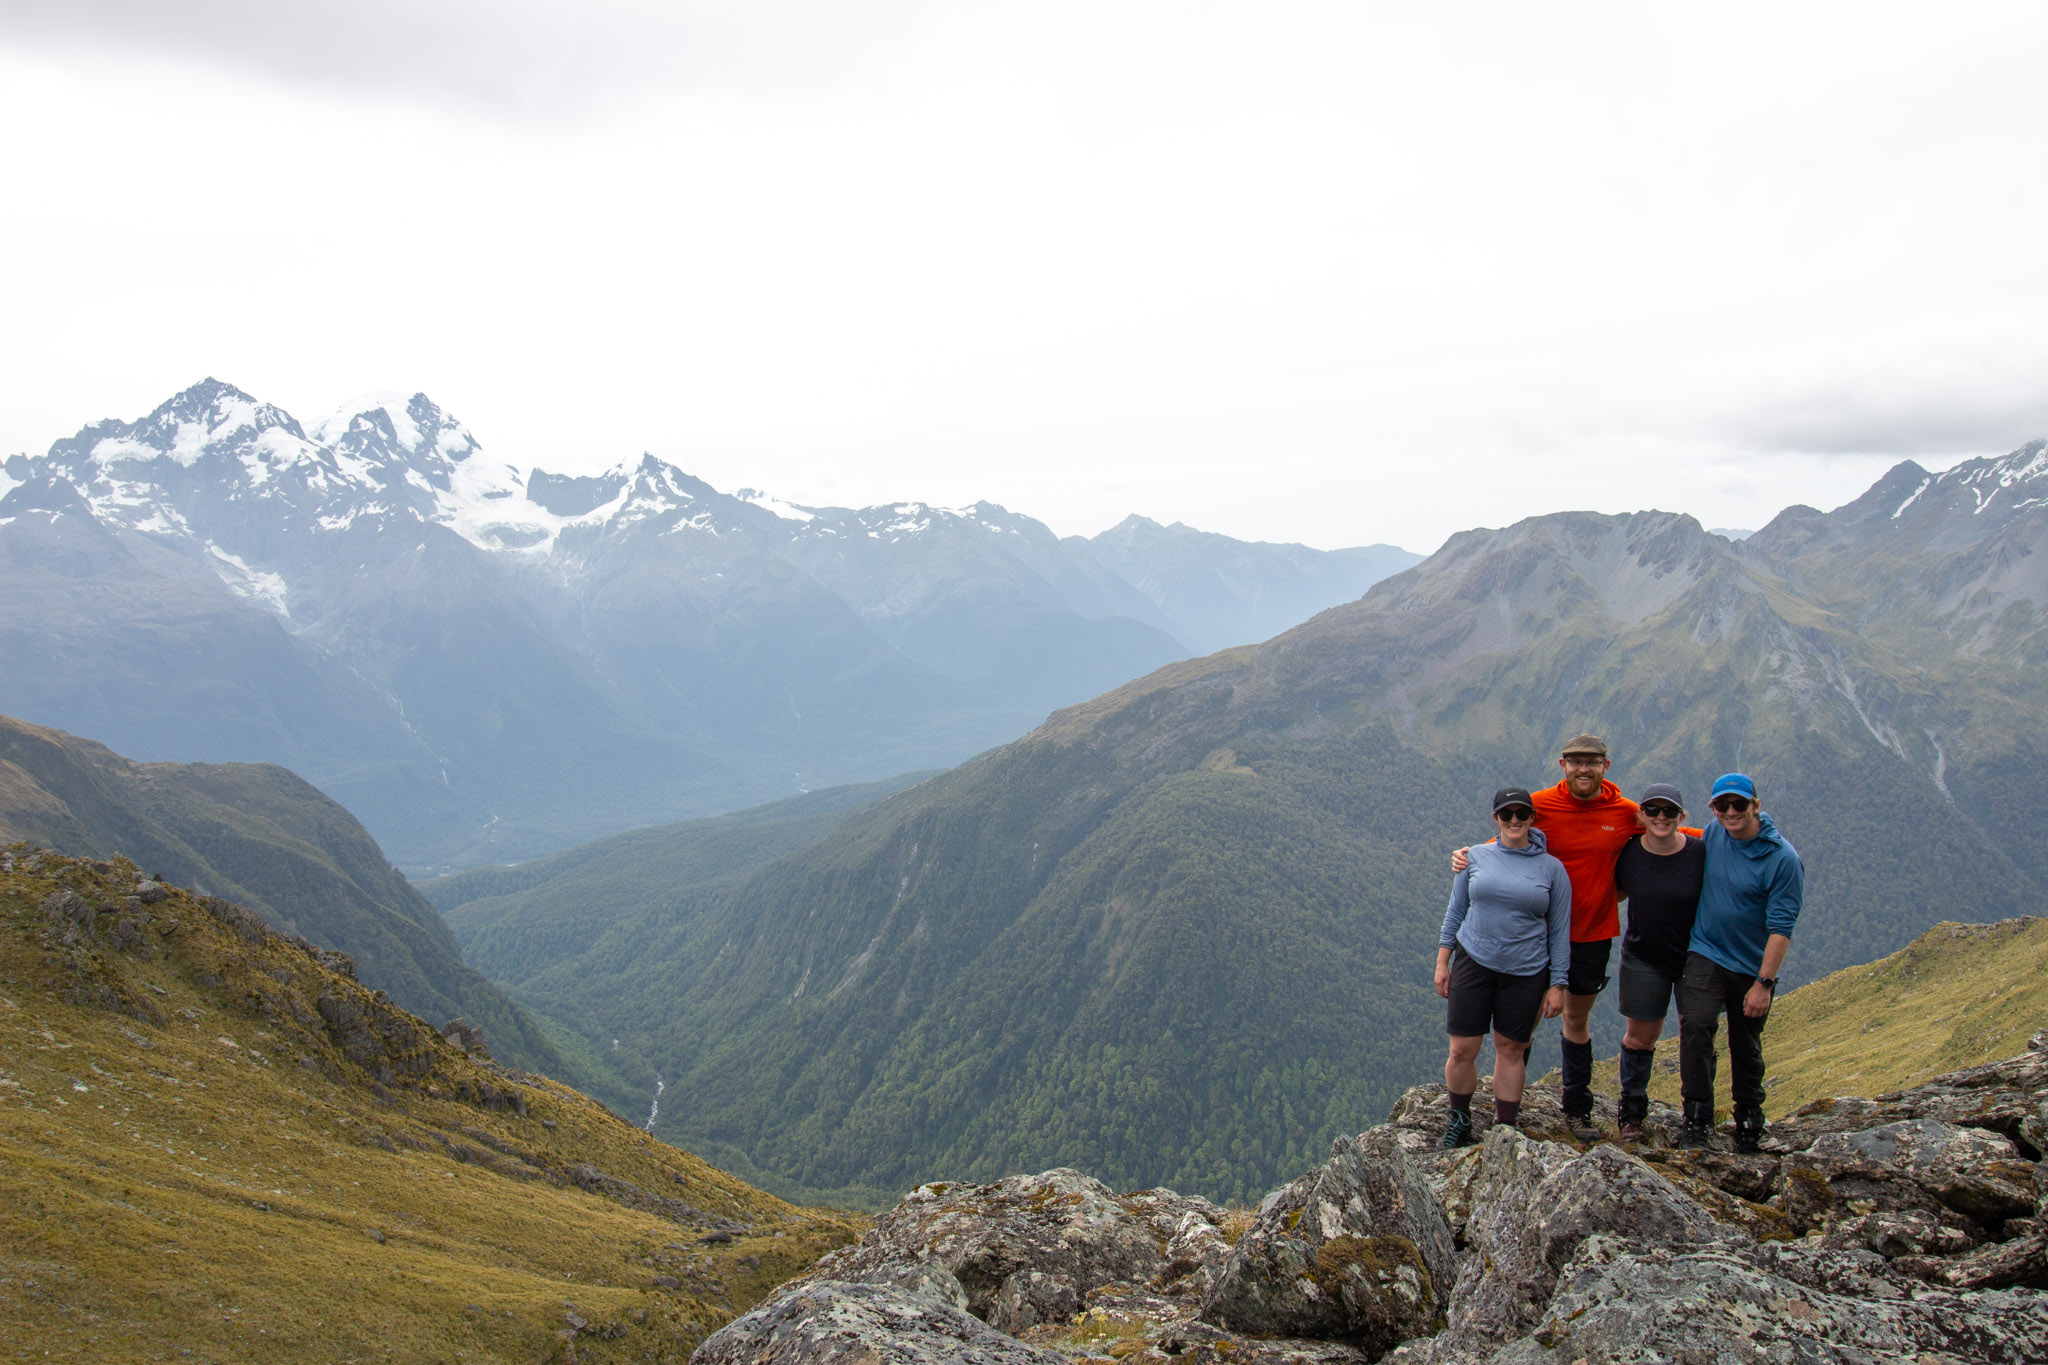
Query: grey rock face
{"points": [[1532, 1205], [1358, 1250], [1070, 1232], [1615, 1305], [826, 1322]]}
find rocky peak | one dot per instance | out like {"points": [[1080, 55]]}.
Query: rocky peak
{"points": [[396, 434], [211, 412]]}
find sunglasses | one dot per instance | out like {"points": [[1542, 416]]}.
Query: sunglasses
{"points": [[1514, 813], [1662, 812], [1732, 805]]}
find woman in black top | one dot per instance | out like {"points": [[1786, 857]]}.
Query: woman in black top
{"points": [[1659, 871]]}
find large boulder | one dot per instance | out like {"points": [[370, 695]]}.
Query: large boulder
{"points": [[1358, 1250], [1027, 1249], [1616, 1303], [828, 1322], [1533, 1204]]}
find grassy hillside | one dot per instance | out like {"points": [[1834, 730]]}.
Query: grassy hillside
{"points": [[1957, 996], [262, 837], [212, 1145]]}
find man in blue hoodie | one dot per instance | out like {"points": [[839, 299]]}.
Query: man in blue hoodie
{"points": [[1749, 903]]}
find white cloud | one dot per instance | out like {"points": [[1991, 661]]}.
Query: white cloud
{"points": [[1289, 270]]}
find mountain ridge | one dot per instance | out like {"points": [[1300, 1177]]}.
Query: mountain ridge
{"points": [[1181, 907], [263, 837], [688, 649]]}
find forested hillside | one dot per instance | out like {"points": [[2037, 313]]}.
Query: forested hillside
{"points": [[1181, 934]]}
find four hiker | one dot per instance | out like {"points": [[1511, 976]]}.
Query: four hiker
{"points": [[1709, 921]]}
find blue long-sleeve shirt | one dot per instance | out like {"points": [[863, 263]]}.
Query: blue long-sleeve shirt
{"points": [[1511, 910], [1753, 889]]}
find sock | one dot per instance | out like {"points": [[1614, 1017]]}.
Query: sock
{"points": [[1461, 1104], [1635, 1069], [1506, 1111]]}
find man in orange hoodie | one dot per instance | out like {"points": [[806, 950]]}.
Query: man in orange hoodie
{"points": [[1586, 821]]}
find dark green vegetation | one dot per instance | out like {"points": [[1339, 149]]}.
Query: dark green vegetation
{"points": [[1181, 934], [262, 837]]}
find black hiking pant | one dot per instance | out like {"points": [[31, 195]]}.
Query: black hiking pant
{"points": [[1706, 992]]}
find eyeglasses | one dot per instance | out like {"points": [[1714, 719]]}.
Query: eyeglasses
{"points": [[1594, 762], [1662, 812], [1512, 814], [1732, 805]]}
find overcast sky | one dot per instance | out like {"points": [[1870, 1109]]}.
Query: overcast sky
{"points": [[1336, 273]]}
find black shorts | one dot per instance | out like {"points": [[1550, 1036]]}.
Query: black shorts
{"points": [[1647, 990], [1481, 996], [1589, 967]]}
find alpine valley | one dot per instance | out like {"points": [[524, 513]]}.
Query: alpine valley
{"points": [[1179, 934], [487, 663]]}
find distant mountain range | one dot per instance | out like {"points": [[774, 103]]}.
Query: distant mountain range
{"points": [[1180, 933], [486, 662], [264, 838]]}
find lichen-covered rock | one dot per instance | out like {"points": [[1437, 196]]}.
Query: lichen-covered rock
{"points": [[921, 1277], [1063, 1226], [827, 1322], [1195, 1255], [2020, 1262], [1358, 1250], [1616, 1303], [1999, 1097], [1976, 1173], [1533, 1204]]}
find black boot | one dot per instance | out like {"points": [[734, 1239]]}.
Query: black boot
{"points": [[1577, 1067], [1698, 1132], [1635, 1092], [1749, 1128]]}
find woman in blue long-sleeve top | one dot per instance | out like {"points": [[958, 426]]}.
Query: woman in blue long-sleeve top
{"points": [[1502, 959]]}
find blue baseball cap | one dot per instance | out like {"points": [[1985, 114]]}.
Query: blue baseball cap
{"points": [[1734, 784]]}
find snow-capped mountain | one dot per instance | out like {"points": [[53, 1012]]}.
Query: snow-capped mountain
{"points": [[482, 659]]}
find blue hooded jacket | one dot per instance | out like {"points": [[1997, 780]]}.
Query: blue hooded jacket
{"points": [[1512, 910], [1753, 889]]}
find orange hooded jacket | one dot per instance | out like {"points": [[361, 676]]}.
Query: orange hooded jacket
{"points": [[1587, 836]]}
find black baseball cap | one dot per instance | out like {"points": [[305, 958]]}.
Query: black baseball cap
{"points": [[1512, 796], [1661, 791]]}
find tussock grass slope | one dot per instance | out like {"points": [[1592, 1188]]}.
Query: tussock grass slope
{"points": [[216, 1145]]}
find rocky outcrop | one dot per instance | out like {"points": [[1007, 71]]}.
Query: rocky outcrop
{"points": [[1024, 1250], [1358, 1250], [827, 1322], [1909, 1227]]}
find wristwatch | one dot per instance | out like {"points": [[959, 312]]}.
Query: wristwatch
{"points": [[1769, 983]]}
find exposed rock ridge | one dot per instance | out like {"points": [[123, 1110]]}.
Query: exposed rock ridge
{"points": [[1908, 1227]]}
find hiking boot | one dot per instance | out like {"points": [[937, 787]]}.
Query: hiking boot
{"points": [[1459, 1131], [1582, 1126], [1749, 1128], [1629, 1116], [1698, 1132]]}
